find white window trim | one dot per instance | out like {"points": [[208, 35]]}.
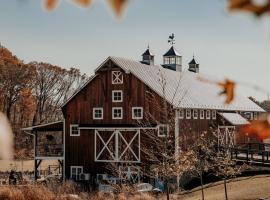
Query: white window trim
{"points": [[133, 113], [70, 129], [95, 109], [214, 114], [208, 114], [193, 113], [201, 114], [76, 167], [120, 77], [114, 91], [116, 108], [188, 111], [181, 114], [168, 130]]}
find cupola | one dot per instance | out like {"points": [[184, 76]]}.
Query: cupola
{"points": [[193, 66], [148, 57], [172, 59]]}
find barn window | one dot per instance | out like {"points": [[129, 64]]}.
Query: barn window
{"points": [[117, 96], [181, 114], [208, 114], [97, 113], [137, 112], [117, 113], [74, 131], [163, 130], [195, 114], [214, 114], [201, 114], [117, 77], [76, 172], [188, 114]]}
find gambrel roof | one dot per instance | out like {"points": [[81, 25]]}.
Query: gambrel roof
{"points": [[182, 89]]}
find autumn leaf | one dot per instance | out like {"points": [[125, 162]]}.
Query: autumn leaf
{"points": [[256, 7], [83, 3], [257, 128], [50, 4], [117, 6], [228, 87]]}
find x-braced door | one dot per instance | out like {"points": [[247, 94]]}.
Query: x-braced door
{"points": [[129, 173], [116, 145], [226, 136]]}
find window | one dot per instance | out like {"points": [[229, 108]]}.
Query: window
{"points": [[188, 114], [163, 130], [178, 60], [75, 172], [137, 112], [97, 113], [117, 113], [172, 60], [166, 60], [208, 114], [214, 114], [201, 114], [181, 114], [255, 115], [195, 114], [74, 131], [117, 77], [117, 96]]}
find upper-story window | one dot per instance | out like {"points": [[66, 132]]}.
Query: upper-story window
{"points": [[195, 114], [97, 113], [137, 112], [188, 114], [166, 60], [74, 130], [163, 130], [117, 113], [117, 77], [201, 114], [208, 114], [214, 114], [181, 114], [117, 96]]}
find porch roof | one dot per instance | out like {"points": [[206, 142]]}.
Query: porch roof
{"points": [[53, 126], [234, 118]]}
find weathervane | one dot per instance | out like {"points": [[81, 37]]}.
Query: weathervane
{"points": [[171, 39]]}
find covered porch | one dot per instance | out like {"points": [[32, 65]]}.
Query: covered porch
{"points": [[48, 145]]}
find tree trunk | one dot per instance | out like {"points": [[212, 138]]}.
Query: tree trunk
{"points": [[225, 189], [201, 179]]}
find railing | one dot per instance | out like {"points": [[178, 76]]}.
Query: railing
{"points": [[252, 153], [49, 150]]}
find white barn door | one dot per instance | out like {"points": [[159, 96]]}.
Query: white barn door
{"points": [[226, 136], [117, 145]]}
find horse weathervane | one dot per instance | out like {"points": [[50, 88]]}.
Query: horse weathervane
{"points": [[171, 39]]}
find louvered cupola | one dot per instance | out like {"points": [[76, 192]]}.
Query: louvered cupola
{"points": [[148, 57], [193, 66]]}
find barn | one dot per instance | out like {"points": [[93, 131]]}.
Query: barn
{"points": [[106, 121]]}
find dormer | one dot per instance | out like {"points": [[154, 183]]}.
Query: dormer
{"points": [[193, 66]]}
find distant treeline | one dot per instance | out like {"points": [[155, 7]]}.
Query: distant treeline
{"points": [[32, 93]]}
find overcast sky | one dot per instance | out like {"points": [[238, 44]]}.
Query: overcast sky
{"points": [[236, 46]]}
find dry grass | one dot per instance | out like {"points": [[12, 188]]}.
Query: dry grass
{"points": [[67, 191]]}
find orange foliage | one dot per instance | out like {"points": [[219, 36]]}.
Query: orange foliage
{"points": [[250, 6], [116, 5], [228, 90], [227, 86], [259, 129]]}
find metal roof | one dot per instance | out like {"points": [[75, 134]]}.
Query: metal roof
{"points": [[234, 118], [53, 126], [172, 52], [148, 53], [183, 89]]}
